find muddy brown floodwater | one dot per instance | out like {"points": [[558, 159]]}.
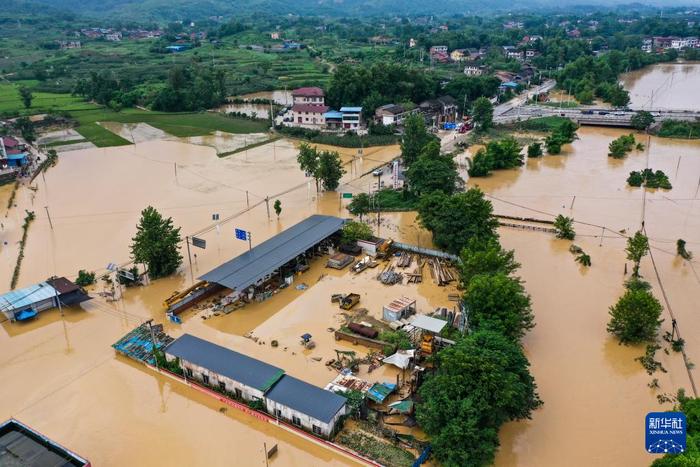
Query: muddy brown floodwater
{"points": [[60, 375], [664, 86]]}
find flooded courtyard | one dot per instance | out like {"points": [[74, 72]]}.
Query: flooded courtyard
{"points": [[61, 377]]}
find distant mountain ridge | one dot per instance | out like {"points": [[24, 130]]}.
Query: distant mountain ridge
{"points": [[144, 10]]}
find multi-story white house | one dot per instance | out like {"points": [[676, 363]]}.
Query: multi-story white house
{"points": [[473, 70], [308, 107]]}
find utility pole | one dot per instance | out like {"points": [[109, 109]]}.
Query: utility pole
{"points": [[58, 301], [250, 241], [189, 257], [153, 341], [49, 216], [267, 204], [247, 200]]}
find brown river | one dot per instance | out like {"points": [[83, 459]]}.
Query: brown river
{"points": [[61, 376]]}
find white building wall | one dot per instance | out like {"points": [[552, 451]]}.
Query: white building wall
{"points": [[307, 422], [246, 392]]}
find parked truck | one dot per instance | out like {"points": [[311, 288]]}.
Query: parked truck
{"points": [[349, 301]]}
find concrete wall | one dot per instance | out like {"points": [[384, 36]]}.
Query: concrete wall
{"points": [[307, 422]]}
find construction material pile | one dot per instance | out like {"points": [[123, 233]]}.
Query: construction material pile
{"points": [[390, 277], [416, 277], [441, 272], [405, 259]]}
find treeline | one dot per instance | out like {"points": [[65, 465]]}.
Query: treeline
{"points": [[375, 85], [590, 77], [483, 380], [188, 88]]}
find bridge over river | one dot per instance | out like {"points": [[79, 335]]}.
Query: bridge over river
{"points": [[590, 116]]}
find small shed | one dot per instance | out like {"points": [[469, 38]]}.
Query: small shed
{"points": [[371, 245], [427, 323], [398, 309]]}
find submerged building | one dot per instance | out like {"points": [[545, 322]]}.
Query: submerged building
{"points": [[25, 447], [26, 303], [286, 398]]}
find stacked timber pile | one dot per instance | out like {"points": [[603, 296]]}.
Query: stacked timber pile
{"points": [[416, 277], [389, 277], [441, 272], [405, 259]]}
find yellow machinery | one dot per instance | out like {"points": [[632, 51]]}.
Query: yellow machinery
{"points": [[177, 295], [426, 345], [349, 301]]}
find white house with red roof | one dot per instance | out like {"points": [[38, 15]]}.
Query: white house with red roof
{"points": [[308, 108]]}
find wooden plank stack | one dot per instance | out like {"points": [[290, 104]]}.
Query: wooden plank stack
{"points": [[416, 277], [441, 272]]}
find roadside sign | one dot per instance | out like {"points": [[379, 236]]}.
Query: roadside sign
{"points": [[199, 243], [127, 274], [215, 217], [347, 195], [241, 234]]}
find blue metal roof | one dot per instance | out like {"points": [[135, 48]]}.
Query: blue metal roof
{"points": [[333, 114], [351, 109], [26, 297], [510, 84], [22, 155], [248, 268], [306, 398], [225, 362]]}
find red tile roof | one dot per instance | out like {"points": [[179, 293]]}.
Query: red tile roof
{"points": [[10, 142], [308, 92], [310, 108]]}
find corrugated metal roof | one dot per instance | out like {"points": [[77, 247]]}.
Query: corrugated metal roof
{"points": [[306, 398], [351, 109], [248, 268], [428, 323], [226, 362], [333, 114], [26, 297]]}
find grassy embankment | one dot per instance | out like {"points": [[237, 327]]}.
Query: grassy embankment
{"points": [[87, 115], [678, 129]]}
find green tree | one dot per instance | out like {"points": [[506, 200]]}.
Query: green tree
{"points": [[330, 170], [635, 317], [415, 138], [482, 113], [553, 143], [309, 161], [85, 278], [480, 383], [499, 303], [642, 120], [354, 231], [454, 220], [360, 205], [481, 164], [278, 207], [682, 251], [26, 95], [26, 129], [432, 172], [156, 243], [637, 248], [564, 227], [534, 150], [485, 257]]}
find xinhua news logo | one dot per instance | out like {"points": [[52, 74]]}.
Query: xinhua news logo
{"points": [[665, 432]]}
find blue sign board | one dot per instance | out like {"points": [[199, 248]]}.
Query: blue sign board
{"points": [[241, 234], [665, 432]]}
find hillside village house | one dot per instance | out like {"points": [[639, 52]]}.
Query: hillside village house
{"points": [[284, 397], [392, 114], [473, 70], [308, 107], [438, 49], [352, 117]]}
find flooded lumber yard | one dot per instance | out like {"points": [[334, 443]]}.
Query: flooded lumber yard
{"points": [[61, 376]]}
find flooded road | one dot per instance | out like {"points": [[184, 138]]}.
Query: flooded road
{"points": [[664, 86]]}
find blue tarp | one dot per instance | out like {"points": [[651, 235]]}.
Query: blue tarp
{"points": [[509, 84], [26, 314], [380, 391]]}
